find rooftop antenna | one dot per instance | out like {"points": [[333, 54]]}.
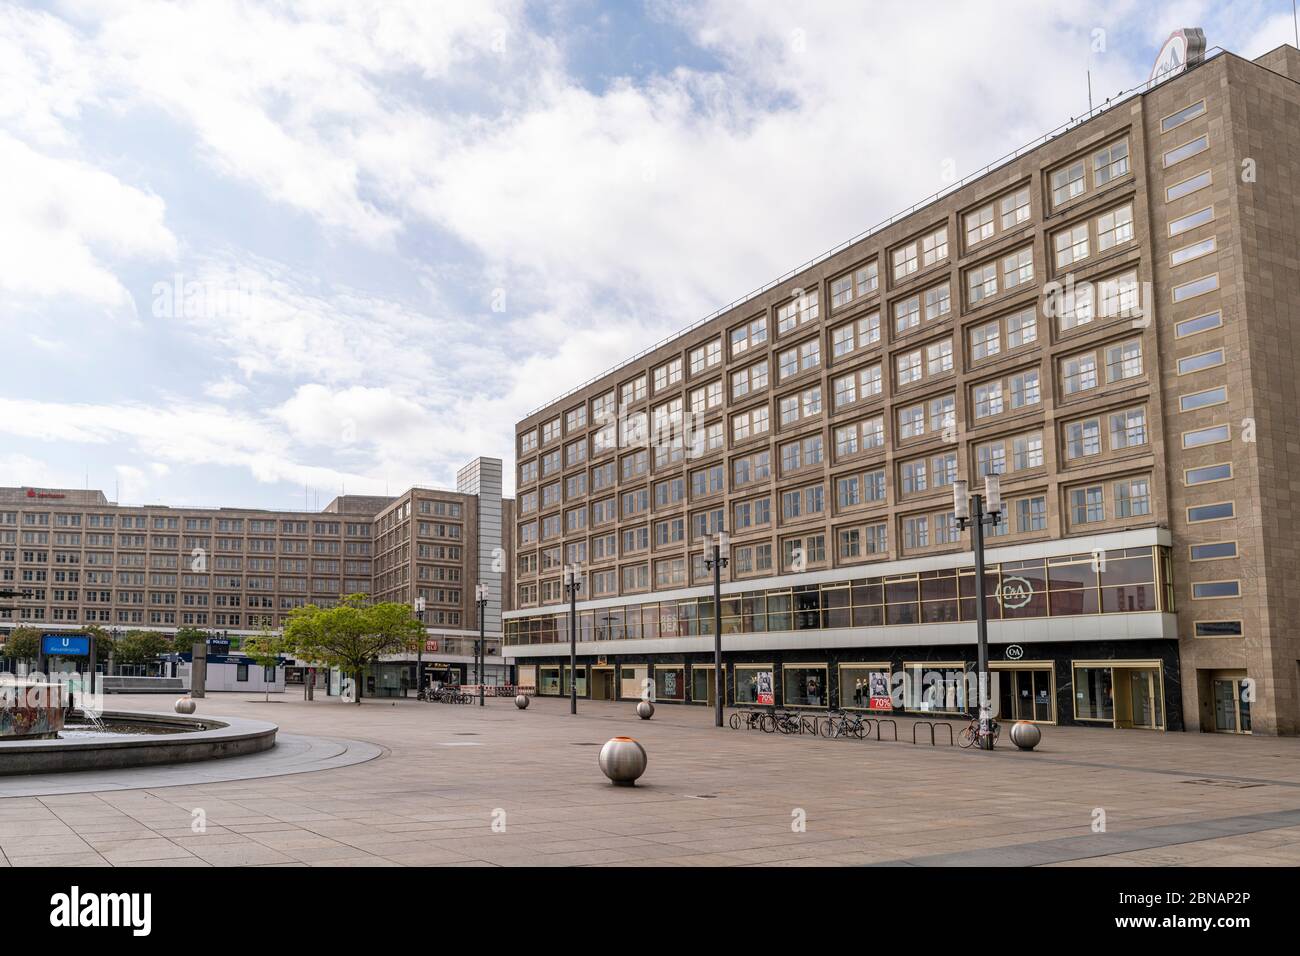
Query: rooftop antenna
{"points": [[1090, 89], [1296, 23]]}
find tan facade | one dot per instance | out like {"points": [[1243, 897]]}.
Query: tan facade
{"points": [[1065, 321], [85, 560]]}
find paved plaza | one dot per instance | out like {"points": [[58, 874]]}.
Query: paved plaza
{"points": [[406, 783]]}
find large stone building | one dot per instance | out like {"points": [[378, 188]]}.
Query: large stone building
{"points": [[1107, 320], [82, 559]]}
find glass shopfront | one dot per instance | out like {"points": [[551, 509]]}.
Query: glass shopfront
{"points": [[670, 682], [582, 681], [804, 685], [866, 686], [1123, 694], [702, 684], [548, 682], [1025, 690], [936, 687], [754, 684], [1131, 580]]}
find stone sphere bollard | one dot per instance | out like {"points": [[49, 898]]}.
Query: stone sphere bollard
{"points": [[1025, 735], [645, 710], [622, 759], [185, 705], [521, 701]]}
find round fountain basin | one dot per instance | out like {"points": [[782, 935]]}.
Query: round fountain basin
{"points": [[132, 739]]}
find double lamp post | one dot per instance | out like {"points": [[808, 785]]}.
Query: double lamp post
{"points": [[977, 512]]}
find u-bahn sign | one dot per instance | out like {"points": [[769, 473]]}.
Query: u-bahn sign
{"points": [[1015, 592], [1184, 48], [65, 645]]}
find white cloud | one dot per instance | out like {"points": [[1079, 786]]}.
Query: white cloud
{"points": [[64, 220]]}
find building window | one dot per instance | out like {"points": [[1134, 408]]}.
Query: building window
{"points": [[854, 285], [1087, 505], [1132, 498]]}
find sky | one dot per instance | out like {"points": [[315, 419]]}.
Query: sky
{"points": [[258, 254]]}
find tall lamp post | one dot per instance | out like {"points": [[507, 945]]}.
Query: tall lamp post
{"points": [[419, 648], [481, 593], [572, 585], [975, 512], [715, 562]]}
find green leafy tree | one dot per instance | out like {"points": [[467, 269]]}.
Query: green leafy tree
{"points": [[141, 647], [186, 637], [265, 650], [353, 635], [24, 644]]}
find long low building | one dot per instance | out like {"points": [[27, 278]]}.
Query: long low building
{"points": [[80, 559], [1105, 320]]}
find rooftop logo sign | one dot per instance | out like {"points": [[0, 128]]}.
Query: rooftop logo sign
{"points": [[1184, 48]]}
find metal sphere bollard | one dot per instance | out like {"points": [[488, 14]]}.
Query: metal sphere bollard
{"points": [[645, 710], [1025, 735], [185, 705], [521, 701], [622, 759]]}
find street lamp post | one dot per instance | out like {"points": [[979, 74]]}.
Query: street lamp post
{"points": [[572, 585], [419, 648], [975, 512], [715, 563], [481, 593]]}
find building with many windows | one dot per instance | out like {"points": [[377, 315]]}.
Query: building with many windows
{"points": [[84, 560], [1106, 320]]}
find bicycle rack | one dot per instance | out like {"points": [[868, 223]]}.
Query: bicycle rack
{"points": [[808, 724], [923, 723], [893, 725], [948, 727]]}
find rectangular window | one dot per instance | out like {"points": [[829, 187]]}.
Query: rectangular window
{"points": [[1087, 505], [1187, 186], [1215, 590], [1213, 551], [1194, 251], [1218, 629], [1191, 221], [979, 224], [1207, 436], [1202, 323], [1196, 363], [1014, 209], [1182, 116], [1132, 498], [1186, 151], [1205, 399], [1110, 163], [1207, 474], [1067, 183], [1114, 228], [1201, 286], [1215, 512]]}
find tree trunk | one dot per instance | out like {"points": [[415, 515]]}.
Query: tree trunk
{"points": [[358, 686]]}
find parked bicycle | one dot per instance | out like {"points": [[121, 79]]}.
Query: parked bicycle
{"points": [[841, 724], [969, 735]]}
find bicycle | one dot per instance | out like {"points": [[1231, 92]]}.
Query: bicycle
{"points": [[840, 724], [969, 735]]}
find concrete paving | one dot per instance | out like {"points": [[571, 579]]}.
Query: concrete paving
{"points": [[446, 785]]}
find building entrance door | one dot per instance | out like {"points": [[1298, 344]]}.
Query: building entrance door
{"points": [[1231, 709], [1025, 690], [602, 683], [1138, 700]]}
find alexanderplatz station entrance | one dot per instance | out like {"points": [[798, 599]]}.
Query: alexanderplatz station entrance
{"points": [[1086, 638]]}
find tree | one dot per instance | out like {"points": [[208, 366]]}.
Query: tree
{"points": [[264, 650], [140, 647], [186, 637], [24, 644], [352, 635]]}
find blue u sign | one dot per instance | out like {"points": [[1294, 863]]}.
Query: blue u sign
{"points": [[65, 645]]}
